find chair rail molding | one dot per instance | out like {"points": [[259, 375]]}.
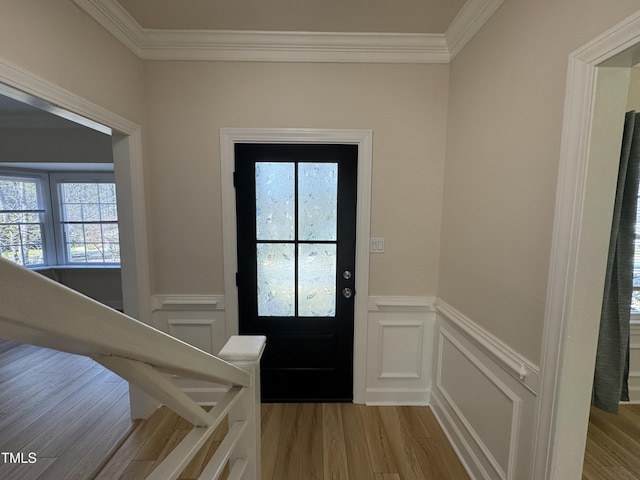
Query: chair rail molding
{"points": [[515, 364], [187, 302], [261, 46]]}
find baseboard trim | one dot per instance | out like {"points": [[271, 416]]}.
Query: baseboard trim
{"points": [[397, 396], [455, 437]]}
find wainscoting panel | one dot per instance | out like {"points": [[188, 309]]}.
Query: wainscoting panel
{"points": [[197, 332], [634, 363], [399, 350], [200, 321], [483, 397]]}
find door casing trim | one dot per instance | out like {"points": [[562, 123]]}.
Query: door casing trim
{"points": [[570, 326], [364, 139]]}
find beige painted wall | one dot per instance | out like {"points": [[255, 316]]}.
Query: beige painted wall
{"points": [[55, 40], [51, 145], [404, 105], [504, 127], [505, 90]]}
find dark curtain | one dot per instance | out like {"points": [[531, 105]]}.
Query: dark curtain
{"points": [[612, 359]]}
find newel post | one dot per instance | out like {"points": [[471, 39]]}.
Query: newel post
{"points": [[245, 352]]}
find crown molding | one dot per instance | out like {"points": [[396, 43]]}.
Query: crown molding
{"points": [[259, 46], [470, 19], [295, 46], [117, 21]]}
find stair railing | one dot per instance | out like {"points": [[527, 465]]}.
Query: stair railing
{"points": [[39, 311]]}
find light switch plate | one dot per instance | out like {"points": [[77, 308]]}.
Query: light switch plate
{"points": [[377, 245]]}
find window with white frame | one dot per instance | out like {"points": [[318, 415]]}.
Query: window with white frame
{"points": [[59, 218]]}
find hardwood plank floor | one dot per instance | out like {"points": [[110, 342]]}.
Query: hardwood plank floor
{"points": [[67, 410], [613, 445], [307, 441], [72, 414]]}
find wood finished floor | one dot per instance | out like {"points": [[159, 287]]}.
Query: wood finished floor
{"points": [[311, 442], [67, 410], [613, 445], [347, 441], [73, 414]]}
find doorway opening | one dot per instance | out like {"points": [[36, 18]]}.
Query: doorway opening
{"points": [[360, 138], [296, 212], [126, 145], [586, 187]]}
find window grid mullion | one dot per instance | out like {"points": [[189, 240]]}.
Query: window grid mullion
{"points": [[42, 193], [98, 203]]}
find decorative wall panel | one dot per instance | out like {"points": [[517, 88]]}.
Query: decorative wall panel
{"points": [[399, 350], [484, 397], [198, 320]]}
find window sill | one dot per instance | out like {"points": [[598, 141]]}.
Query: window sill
{"points": [[107, 266]]}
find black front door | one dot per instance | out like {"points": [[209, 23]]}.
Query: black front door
{"points": [[296, 217]]}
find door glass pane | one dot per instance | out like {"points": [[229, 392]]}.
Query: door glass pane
{"points": [[317, 201], [316, 280], [275, 201], [276, 279]]}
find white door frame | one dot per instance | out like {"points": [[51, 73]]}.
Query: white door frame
{"points": [[127, 159], [575, 275], [362, 138]]}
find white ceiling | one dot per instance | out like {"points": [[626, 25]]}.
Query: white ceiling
{"points": [[390, 16], [16, 113], [19, 109]]}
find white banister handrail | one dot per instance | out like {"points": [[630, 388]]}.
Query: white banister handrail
{"points": [[37, 310]]}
